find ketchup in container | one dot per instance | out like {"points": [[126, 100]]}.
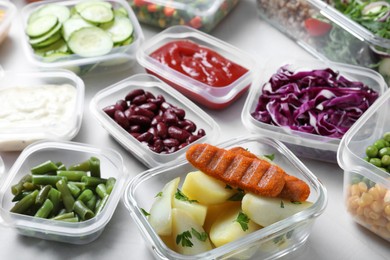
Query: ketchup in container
{"points": [[198, 62]]}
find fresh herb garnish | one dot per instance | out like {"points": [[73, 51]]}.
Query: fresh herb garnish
{"points": [[159, 194], [200, 236], [296, 202], [145, 212], [282, 204], [228, 187], [180, 196], [278, 239], [237, 196], [270, 156], [184, 239], [243, 220]]}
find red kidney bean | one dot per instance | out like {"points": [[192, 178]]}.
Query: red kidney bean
{"points": [[132, 94], [153, 131], [129, 112], [155, 101], [179, 112], [161, 97], [172, 149], [121, 105], [157, 146], [120, 118], [110, 110], [135, 135], [156, 120], [139, 120], [171, 142], [149, 95], [135, 129], [178, 133], [193, 138], [182, 145], [164, 106], [190, 128], [143, 112], [170, 117], [145, 137], [139, 100], [149, 106], [162, 130], [201, 132]]}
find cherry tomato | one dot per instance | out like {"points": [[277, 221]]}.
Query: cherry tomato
{"points": [[317, 27]]}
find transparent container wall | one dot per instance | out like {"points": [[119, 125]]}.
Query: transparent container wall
{"points": [[340, 40], [199, 14], [7, 14]]}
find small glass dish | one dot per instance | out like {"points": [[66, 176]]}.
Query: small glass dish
{"points": [[110, 95], [7, 14], [16, 136], [270, 242], [212, 97], [199, 14], [366, 186], [111, 164], [304, 144], [118, 59]]}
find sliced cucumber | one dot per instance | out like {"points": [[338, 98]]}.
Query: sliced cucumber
{"points": [[125, 42], [73, 24], [51, 57], [97, 14], [120, 30], [90, 42], [55, 37], [81, 6], [58, 46], [61, 11], [46, 36], [121, 11], [41, 25]]}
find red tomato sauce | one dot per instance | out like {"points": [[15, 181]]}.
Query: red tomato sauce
{"points": [[199, 63]]}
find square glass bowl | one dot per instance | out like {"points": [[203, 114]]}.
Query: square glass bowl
{"points": [[118, 59], [262, 244], [199, 14], [7, 14], [304, 144], [327, 33], [16, 136], [111, 165], [367, 187], [118, 91], [212, 97]]}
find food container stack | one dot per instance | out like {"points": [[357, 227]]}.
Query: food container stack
{"points": [[352, 32]]}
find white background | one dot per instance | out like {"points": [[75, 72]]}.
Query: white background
{"points": [[334, 236]]}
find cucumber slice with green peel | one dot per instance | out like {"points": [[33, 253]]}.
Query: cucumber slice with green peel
{"points": [[121, 11], [127, 41], [52, 39], [120, 30], [97, 14], [56, 29], [62, 12], [58, 46], [81, 6], [73, 24], [55, 56], [90, 42], [41, 25]]}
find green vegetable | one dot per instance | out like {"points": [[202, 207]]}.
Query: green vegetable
{"points": [[42, 195], [44, 168], [82, 210], [45, 210], [180, 196], [145, 212], [24, 204], [200, 236], [66, 195], [86, 195], [184, 239], [101, 190], [72, 175], [46, 179], [92, 181], [18, 188], [243, 220]]}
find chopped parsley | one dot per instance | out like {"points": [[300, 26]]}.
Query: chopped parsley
{"points": [[183, 239], [159, 194], [237, 196], [270, 156], [145, 212], [282, 204], [243, 220], [180, 196], [200, 236]]}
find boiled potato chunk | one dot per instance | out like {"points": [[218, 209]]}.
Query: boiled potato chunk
{"points": [[205, 189], [266, 211], [183, 222], [213, 212], [160, 214], [226, 229], [196, 210]]}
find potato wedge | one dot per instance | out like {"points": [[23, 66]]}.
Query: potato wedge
{"points": [[196, 210]]}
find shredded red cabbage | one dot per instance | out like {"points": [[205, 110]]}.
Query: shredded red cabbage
{"points": [[321, 102]]}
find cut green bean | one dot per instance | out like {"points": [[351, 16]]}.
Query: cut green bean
{"points": [[63, 216], [21, 196], [44, 168], [55, 197], [94, 167], [79, 184], [46, 179], [101, 205], [75, 219], [92, 181], [91, 204], [62, 211], [82, 211], [45, 209], [72, 175], [18, 188], [29, 186], [86, 195], [42, 195], [110, 184], [24, 204], [83, 166], [60, 166], [74, 190], [101, 190], [66, 195]]}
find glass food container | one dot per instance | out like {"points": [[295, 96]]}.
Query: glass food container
{"points": [[7, 14]]}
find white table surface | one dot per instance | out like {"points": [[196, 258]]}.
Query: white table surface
{"points": [[334, 235]]}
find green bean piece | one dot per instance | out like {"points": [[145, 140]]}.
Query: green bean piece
{"points": [[83, 166], [94, 167], [92, 181], [101, 190], [75, 219], [66, 195], [20, 196], [62, 211], [63, 216], [18, 188], [82, 211], [46, 179], [60, 166], [91, 204], [24, 204], [86, 195], [42, 195], [30, 186], [79, 184], [101, 205], [72, 175], [45, 210], [110, 184], [44, 168], [55, 197], [74, 190]]}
